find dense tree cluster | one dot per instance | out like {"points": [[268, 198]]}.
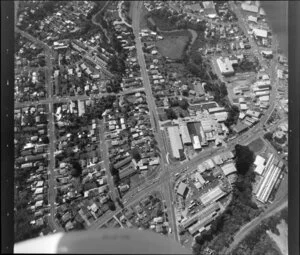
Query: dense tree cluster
{"points": [[165, 20], [257, 241], [171, 114]]}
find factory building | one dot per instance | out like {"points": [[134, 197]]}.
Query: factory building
{"points": [[272, 171], [261, 33], [267, 183], [175, 140], [212, 196], [228, 169], [214, 207], [185, 136]]}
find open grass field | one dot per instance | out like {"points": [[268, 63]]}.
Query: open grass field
{"points": [[256, 145], [172, 46]]}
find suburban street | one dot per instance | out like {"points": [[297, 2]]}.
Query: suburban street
{"points": [[55, 99], [105, 156]]}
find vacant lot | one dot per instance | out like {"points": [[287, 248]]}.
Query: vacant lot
{"points": [[257, 145], [282, 239], [172, 46]]}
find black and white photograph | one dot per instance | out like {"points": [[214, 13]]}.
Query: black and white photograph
{"points": [[151, 127]]}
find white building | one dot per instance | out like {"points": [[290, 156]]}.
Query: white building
{"points": [[212, 196], [259, 163], [225, 66], [228, 169], [175, 140], [196, 142], [260, 33], [185, 136]]}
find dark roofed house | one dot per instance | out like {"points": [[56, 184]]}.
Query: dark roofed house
{"points": [[122, 162], [66, 217]]}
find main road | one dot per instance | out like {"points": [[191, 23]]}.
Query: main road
{"points": [[136, 11]]}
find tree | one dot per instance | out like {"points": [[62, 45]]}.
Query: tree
{"points": [[170, 114], [244, 158], [77, 169], [136, 154], [184, 104], [111, 205]]}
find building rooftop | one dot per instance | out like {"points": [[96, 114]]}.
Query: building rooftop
{"points": [[212, 195], [228, 168], [182, 189]]}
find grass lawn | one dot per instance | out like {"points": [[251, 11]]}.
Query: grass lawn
{"points": [[257, 145], [172, 46]]}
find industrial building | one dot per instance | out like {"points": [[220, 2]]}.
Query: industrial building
{"points": [[182, 189], [214, 207], [212, 196], [259, 163], [225, 66], [228, 169], [175, 140], [203, 222], [185, 136], [272, 171]]}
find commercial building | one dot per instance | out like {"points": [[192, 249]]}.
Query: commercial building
{"points": [[182, 189], [225, 66], [214, 207], [228, 169], [185, 136], [212, 196], [259, 163], [175, 140]]}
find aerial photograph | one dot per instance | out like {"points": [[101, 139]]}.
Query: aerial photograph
{"points": [[152, 118]]}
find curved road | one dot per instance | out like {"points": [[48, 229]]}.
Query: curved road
{"points": [[246, 229]]}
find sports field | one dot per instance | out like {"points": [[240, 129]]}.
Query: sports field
{"points": [[172, 46]]}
